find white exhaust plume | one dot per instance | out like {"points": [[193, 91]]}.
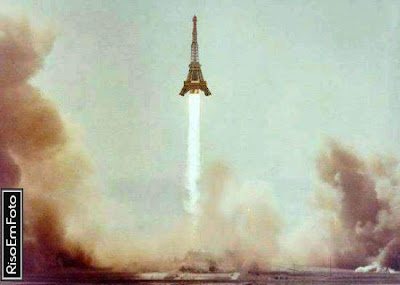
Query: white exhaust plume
{"points": [[193, 160]]}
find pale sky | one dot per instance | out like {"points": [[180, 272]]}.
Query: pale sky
{"points": [[285, 75]]}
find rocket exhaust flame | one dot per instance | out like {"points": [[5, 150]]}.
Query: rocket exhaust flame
{"points": [[193, 159]]}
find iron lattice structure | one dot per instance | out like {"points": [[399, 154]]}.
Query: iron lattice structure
{"points": [[195, 80]]}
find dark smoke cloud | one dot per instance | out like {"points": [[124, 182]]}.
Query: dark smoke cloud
{"points": [[362, 200], [10, 173], [20, 55], [36, 152]]}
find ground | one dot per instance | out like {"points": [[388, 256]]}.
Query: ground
{"points": [[317, 276]]}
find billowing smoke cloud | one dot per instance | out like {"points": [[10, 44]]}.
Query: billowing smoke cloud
{"points": [[238, 228], [36, 152], [239, 222], [361, 203]]}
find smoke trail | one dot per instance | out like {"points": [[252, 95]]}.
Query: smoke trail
{"points": [[361, 203], [193, 160]]}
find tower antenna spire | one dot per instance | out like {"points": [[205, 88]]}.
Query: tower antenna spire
{"points": [[195, 46]]}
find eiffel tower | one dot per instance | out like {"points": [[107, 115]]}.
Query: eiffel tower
{"points": [[195, 81]]}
